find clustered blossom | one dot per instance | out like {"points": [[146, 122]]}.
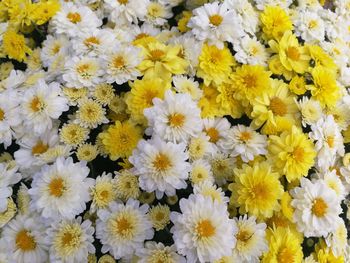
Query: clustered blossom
{"points": [[174, 131]]}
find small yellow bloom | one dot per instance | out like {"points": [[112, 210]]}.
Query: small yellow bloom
{"points": [[298, 85], [14, 46], [182, 24], [275, 21], [43, 11]]}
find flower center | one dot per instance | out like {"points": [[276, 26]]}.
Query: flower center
{"points": [[36, 104], [285, 255], [149, 95], [319, 207], [215, 20], [205, 229], [74, 17], [278, 107], [83, 69], [2, 115], [141, 35], [215, 57], [156, 54], [213, 134], [55, 49], [56, 187], [243, 236], [330, 141], [118, 62], [298, 154], [293, 53], [162, 162], [245, 136], [25, 241], [39, 148], [250, 80], [90, 41], [159, 216], [123, 226], [176, 120], [260, 192], [123, 2], [312, 24]]}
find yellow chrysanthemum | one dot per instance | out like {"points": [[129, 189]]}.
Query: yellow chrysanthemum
{"points": [[127, 185], [292, 153], [160, 216], [250, 81], [209, 105], [325, 88], [256, 190], [19, 14], [103, 193], [321, 58], [75, 94], [287, 209], [43, 11], [5, 70], [106, 259], [87, 152], [292, 56], [141, 95], [275, 21], [103, 93], [73, 134], [298, 85], [284, 246], [160, 61], [120, 139], [323, 254], [14, 45], [183, 21], [215, 64], [229, 103]]}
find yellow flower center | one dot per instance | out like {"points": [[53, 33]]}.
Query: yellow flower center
{"points": [[36, 104], [156, 54], [91, 41], [205, 229], [312, 24], [293, 53], [278, 107], [141, 35], [250, 80], [214, 135], [123, 226], [245, 136], [83, 69], [330, 141], [215, 20], [118, 62], [56, 187], [243, 236], [104, 195], [319, 207], [123, 2], [39, 148], [25, 241], [254, 50], [159, 216], [298, 154], [55, 49], [215, 56], [259, 191], [162, 162], [176, 120], [149, 95], [285, 255], [2, 115], [74, 17]]}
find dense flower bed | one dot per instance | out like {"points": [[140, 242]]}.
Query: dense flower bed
{"points": [[174, 131]]}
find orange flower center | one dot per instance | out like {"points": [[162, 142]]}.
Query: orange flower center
{"points": [[278, 107], [39, 148], [2, 115], [213, 134], [91, 41], [74, 17], [162, 162], [205, 229], [245, 136], [118, 62], [25, 241], [56, 187], [215, 20], [176, 120], [319, 207], [36, 104], [293, 53], [156, 54]]}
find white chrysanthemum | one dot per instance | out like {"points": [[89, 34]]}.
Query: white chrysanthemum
{"points": [[156, 252], [216, 129], [161, 166], [157, 13], [82, 72], [250, 51], [214, 23], [316, 208], [184, 84], [245, 142], [25, 238], [203, 231], [103, 192], [201, 172], [70, 241], [72, 19], [53, 47], [222, 166], [201, 147], [337, 49], [122, 229], [207, 188], [261, 4], [127, 11], [310, 109], [41, 105], [176, 118], [309, 26], [121, 64], [333, 181], [61, 189], [337, 240], [329, 141], [8, 177], [9, 115], [251, 242]]}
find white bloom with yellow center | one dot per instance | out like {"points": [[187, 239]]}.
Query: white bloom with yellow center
{"points": [[25, 238], [243, 141], [103, 192], [309, 26], [203, 231], [310, 110], [201, 172], [157, 13], [161, 166], [156, 252], [122, 229], [251, 242], [216, 129], [121, 64], [251, 51], [333, 181], [61, 189], [337, 240], [126, 11], [201, 147], [42, 104], [207, 188], [184, 84], [329, 141], [214, 23], [8, 177], [316, 208], [70, 241], [175, 119], [53, 47], [82, 72]]}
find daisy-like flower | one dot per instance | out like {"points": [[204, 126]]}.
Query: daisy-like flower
{"points": [[183, 84], [316, 208], [158, 13], [201, 172], [310, 26], [161, 166], [52, 47], [329, 141], [251, 51], [214, 23], [25, 238], [256, 190], [216, 129], [8, 177], [310, 109], [90, 114], [127, 11], [74, 18], [41, 105], [337, 240], [207, 188], [160, 216], [103, 192], [203, 231], [126, 185], [82, 72], [73, 134], [251, 241], [292, 153], [70, 240], [54, 189], [200, 147], [222, 166], [157, 252], [121, 64], [122, 229], [243, 141], [176, 118]]}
